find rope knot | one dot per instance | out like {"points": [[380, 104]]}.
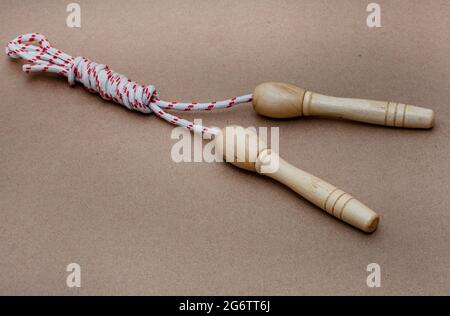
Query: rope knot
{"points": [[99, 78]]}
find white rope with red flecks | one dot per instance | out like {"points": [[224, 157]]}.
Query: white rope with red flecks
{"points": [[99, 78]]}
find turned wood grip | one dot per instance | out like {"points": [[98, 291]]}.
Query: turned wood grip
{"points": [[319, 192], [281, 100], [242, 148]]}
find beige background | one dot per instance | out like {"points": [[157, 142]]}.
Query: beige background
{"points": [[86, 181]]}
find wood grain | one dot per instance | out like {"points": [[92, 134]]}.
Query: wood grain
{"points": [[281, 100], [242, 148]]}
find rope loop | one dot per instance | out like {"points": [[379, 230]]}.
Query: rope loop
{"points": [[99, 78]]}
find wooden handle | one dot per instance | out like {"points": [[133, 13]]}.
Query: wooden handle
{"points": [[242, 148], [326, 196], [281, 100]]}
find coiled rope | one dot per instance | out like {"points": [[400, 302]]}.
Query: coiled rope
{"points": [[99, 78]]}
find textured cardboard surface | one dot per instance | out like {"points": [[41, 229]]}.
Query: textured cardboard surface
{"points": [[84, 180]]}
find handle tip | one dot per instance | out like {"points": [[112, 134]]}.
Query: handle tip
{"points": [[360, 216], [419, 117], [372, 224]]}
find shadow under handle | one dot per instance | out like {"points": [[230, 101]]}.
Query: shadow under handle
{"points": [[321, 193]]}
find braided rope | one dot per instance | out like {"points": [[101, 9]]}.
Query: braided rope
{"points": [[99, 78]]}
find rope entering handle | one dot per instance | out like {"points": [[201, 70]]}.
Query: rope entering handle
{"points": [[99, 78]]}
